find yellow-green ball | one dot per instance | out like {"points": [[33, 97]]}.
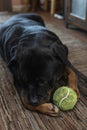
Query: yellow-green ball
{"points": [[65, 98]]}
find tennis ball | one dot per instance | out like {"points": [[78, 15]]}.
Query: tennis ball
{"points": [[65, 98]]}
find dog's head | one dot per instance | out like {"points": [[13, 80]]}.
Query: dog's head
{"points": [[39, 65]]}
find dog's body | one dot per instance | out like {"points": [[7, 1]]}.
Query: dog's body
{"points": [[36, 58]]}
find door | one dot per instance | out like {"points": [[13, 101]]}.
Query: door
{"points": [[5, 5], [76, 12]]}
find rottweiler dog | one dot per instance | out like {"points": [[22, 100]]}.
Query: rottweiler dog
{"points": [[37, 58]]}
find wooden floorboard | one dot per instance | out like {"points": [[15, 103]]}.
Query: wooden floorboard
{"points": [[13, 116]]}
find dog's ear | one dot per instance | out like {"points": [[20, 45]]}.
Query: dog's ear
{"points": [[12, 62], [60, 51], [13, 57]]}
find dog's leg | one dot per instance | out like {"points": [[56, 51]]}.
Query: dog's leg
{"points": [[46, 108], [72, 80]]}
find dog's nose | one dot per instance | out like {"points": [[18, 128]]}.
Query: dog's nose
{"points": [[34, 101]]}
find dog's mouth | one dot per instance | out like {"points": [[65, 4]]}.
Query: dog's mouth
{"points": [[35, 101], [38, 100]]}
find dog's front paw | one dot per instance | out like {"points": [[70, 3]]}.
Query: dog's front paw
{"points": [[77, 92], [46, 108], [49, 109]]}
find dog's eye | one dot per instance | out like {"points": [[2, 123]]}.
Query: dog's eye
{"points": [[42, 82], [51, 83]]}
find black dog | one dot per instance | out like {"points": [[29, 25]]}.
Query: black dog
{"points": [[36, 57]]}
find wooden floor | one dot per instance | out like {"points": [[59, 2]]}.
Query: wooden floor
{"points": [[13, 116]]}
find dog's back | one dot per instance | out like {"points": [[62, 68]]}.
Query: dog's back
{"points": [[22, 26], [13, 28]]}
